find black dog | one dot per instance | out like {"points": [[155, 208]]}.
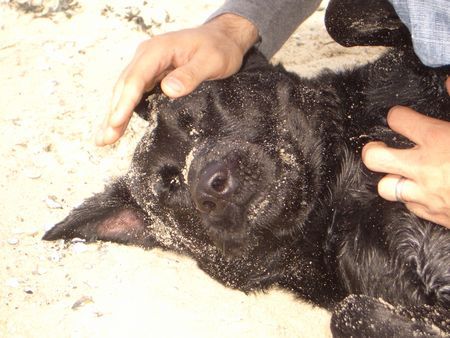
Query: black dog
{"points": [[259, 178]]}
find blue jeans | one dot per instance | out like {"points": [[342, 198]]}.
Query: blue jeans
{"points": [[429, 24]]}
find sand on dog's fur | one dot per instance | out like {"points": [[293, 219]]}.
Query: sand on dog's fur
{"points": [[57, 75]]}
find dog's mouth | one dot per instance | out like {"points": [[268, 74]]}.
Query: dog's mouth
{"points": [[228, 243], [230, 231], [223, 197]]}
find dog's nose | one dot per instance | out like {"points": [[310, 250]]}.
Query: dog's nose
{"points": [[215, 187]]}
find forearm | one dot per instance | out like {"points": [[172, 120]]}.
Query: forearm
{"points": [[274, 20]]}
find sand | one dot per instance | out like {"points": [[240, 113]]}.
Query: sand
{"points": [[58, 64]]}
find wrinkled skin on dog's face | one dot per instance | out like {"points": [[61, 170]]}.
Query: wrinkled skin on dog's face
{"points": [[199, 168]]}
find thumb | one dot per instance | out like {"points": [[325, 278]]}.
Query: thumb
{"points": [[447, 83], [183, 80]]}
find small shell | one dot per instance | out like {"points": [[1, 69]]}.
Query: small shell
{"points": [[13, 241], [52, 202], [32, 173], [82, 302]]}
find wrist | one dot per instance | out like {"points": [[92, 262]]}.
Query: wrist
{"points": [[239, 29]]}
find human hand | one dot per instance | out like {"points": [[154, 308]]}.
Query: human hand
{"points": [[181, 61], [425, 167]]}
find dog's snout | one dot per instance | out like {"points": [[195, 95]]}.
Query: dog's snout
{"points": [[215, 187]]}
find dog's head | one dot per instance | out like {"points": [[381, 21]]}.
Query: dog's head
{"points": [[235, 156], [232, 164]]}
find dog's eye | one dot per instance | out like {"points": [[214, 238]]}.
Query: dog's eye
{"points": [[185, 120], [170, 178]]}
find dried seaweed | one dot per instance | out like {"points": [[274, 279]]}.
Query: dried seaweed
{"points": [[67, 7]]}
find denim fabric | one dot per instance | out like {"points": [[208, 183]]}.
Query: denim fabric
{"points": [[429, 24]]}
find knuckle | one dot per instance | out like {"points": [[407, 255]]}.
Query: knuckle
{"points": [[216, 58], [142, 46], [150, 44], [218, 55]]}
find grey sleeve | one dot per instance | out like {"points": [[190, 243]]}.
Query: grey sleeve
{"points": [[275, 20]]}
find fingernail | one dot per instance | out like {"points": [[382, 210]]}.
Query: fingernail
{"points": [[173, 86]]}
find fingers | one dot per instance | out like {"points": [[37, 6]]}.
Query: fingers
{"points": [[398, 188], [184, 80], [172, 86], [148, 66], [117, 119], [407, 122], [130, 95], [110, 135], [140, 75], [192, 56], [204, 65], [416, 176], [378, 157], [411, 124]]}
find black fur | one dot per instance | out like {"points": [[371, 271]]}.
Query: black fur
{"points": [[259, 178]]}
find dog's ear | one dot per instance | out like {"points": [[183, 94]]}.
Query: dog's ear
{"points": [[111, 215], [365, 23], [149, 102]]}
